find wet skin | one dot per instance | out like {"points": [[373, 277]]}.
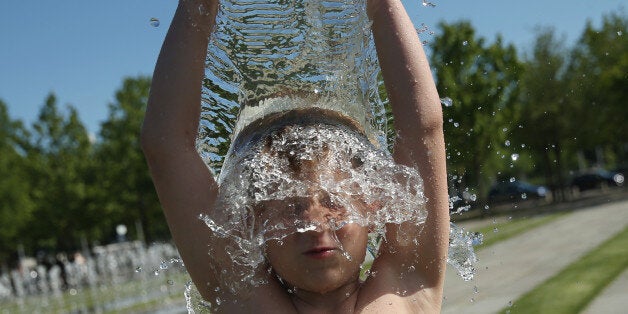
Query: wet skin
{"points": [[323, 259]]}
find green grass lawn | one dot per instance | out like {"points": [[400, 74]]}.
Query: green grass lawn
{"points": [[572, 289]]}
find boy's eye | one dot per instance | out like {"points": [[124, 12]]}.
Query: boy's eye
{"points": [[297, 207], [326, 201], [357, 161]]}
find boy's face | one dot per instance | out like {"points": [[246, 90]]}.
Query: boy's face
{"points": [[320, 259], [300, 181]]}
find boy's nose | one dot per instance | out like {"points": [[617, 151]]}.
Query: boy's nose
{"points": [[316, 214]]}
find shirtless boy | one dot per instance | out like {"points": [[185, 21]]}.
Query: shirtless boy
{"points": [[311, 261]]}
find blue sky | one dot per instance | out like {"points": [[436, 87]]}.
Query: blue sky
{"points": [[81, 50]]}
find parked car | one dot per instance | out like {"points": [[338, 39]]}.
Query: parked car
{"points": [[511, 191], [598, 179]]}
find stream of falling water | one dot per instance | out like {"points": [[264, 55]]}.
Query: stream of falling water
{"points": [[268, 57]]}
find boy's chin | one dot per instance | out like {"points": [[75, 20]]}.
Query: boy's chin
{"points": [[328, 282]]}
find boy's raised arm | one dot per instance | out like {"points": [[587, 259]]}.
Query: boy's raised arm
{"points": [[184, 184], [420, 140]]}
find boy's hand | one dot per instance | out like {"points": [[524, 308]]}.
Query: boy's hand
{"points": [[372, 6], [202, 9]]}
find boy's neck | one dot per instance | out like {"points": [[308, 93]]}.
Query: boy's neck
{"points": [[341, 300]]}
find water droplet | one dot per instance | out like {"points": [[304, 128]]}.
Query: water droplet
{"points": [[477, 238], [347, 255], [163, 265], [446, 101], [507, 143], [524, 196], [495, 230], [472, 300], [512, 179], [475, 289], [138, 269], [154, 22], [170, 282], [509, 303], [428, 4], [514, 157], [619, 33], [464, 43]]}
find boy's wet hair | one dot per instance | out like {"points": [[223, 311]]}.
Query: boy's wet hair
{"points": [[261, 136]]}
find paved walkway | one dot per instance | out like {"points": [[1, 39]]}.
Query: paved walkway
{"points": [[512, 267], [614, 299]]}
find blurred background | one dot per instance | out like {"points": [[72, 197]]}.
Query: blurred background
{"points": [[534, 98]]}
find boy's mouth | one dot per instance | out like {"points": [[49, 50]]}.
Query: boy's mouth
{"points": [[321, 252]]}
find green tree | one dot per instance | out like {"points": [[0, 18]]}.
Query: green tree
{"points": [[478, 83], [16, 207], [599, 73], [58, 159], [544, 102], [127, 191]]}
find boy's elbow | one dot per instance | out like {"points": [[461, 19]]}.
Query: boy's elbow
{"points": [[151, 141], [428, 117], [432, 118], [147, 142]]}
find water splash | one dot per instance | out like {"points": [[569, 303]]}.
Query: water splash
{"points": [[461, 255], [263, 51], [304, 162], [446, 101], [270, 56], [428, 4]]}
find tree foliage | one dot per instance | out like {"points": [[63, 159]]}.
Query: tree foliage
{"points": [[123, 174], [16, 205], [543, 106], [481, 81], [599, 76], [58, 161]]}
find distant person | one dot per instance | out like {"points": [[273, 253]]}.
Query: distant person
{"points": [[306, 271]]}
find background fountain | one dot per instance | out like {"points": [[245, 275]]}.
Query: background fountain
{"points": [[125, 276]]}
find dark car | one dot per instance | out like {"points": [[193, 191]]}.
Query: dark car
{"points": [[512, 190], [598, 179]]}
